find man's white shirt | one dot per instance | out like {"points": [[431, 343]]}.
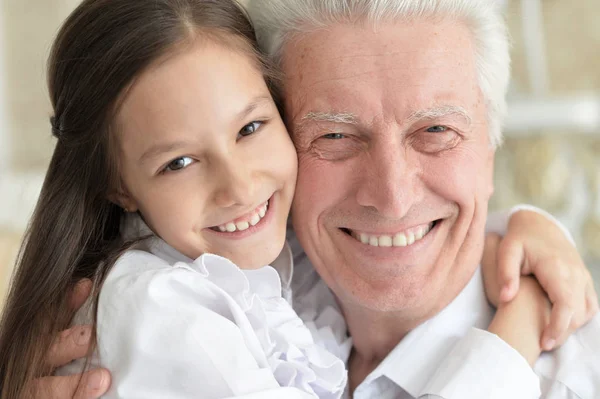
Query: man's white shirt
{"points": [[451, 356]]}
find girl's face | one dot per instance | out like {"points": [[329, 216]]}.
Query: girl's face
{"points": [[205, 157]]}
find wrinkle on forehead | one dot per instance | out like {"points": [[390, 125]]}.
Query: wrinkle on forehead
{"points": [[353, 60], [420, 70]]}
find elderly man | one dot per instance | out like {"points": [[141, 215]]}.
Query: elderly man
{"points": [[395, 108]]}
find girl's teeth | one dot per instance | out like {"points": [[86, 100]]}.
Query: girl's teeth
{"points": [[255, 219], [241, 226], [398, 240], [245, 225]]}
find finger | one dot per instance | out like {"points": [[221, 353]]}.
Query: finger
{"points": [[488, 267], [80, 293], [92, 384], [488, 260], [560, 319], [510, 259], [566, 297], [71, 344], [490, 249]]}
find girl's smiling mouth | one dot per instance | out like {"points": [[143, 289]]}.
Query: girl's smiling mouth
{"points": [[248, 223]]}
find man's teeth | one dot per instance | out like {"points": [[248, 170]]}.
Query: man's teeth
{"points": [[242, 225], [404, 239]]}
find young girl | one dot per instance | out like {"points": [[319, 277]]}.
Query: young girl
{"points": [[169, 187]]}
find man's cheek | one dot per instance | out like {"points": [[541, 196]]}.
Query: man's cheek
{"points": [[308, 186], [460, 174], [315, 177]]}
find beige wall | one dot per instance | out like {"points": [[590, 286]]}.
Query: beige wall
{"points": [[558, 170]]}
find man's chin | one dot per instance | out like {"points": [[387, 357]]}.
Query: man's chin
{"points": [[385, 295], [393, 278]]}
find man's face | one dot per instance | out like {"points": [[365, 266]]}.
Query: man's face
{"points": [[395, 164]]}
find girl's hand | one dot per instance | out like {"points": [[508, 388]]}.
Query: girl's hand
{"points": [[534, 245]]}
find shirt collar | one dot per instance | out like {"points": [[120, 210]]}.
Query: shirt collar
{"points": [[284, 264], [414, 360]]}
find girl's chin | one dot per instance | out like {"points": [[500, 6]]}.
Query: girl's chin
{"points": [[252, 260]]}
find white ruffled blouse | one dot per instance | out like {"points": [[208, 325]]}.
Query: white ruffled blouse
{"points": [[170, 327]]}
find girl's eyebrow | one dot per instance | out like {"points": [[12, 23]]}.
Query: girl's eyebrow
{"points": [[255, 103], [162, 148], [166, 147]]}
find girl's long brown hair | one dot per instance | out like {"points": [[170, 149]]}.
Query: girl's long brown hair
{"points": [[74, 232]]}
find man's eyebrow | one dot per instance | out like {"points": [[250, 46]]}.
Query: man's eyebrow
{"points": [[333, 117], [439, 112], [162, 148]]}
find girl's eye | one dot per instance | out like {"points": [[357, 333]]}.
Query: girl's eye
{"points": [[334, 136], [250, 128], [179, 163], [437, 129]]}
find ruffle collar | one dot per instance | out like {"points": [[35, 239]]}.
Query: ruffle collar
{"points": [[292, 355]]}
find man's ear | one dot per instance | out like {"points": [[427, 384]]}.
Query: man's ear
{"points": [[490, 166], [124, 200]]}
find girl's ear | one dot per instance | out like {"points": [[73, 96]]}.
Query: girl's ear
{"points": [[124, 200]]}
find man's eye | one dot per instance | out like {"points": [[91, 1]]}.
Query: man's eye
{"points": [[178, 164], [437, 129], [333, 136], [250, 128]]}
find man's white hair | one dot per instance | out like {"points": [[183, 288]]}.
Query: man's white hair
{"points": [[277, 21]]}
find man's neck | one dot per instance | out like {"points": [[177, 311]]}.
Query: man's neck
{"points": [[375, 334]]}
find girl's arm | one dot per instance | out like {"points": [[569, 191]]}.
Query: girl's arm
{"points": [[535, 243], [497, 363], [521, 322]]}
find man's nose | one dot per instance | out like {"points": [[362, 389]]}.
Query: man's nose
{"points": [[234, 185], [388, 180]]}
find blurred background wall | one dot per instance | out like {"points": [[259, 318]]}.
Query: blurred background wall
{"points": [[551, 156]]}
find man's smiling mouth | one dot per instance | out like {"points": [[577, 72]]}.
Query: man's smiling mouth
{"points": [[400, 239]]}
